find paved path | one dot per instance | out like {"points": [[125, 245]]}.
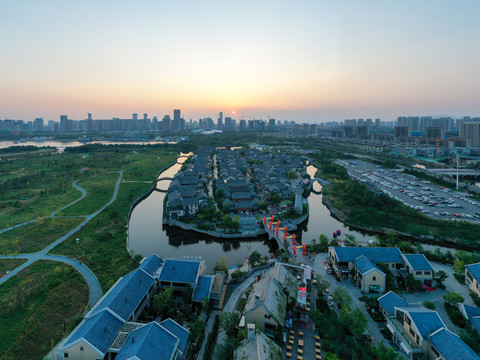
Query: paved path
{"points": [[90, 278], [208, 330]]}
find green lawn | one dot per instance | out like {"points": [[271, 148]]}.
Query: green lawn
{"points": [[102, 244], [34, 307], [10, 264], [36, 236], [99, 191]]}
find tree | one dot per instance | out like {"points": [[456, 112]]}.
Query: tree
{"points": [[196, 328], [229, 322], [412, 283], [255, 258], [459, 267], [323, 243], [452, 298], [354, 319], [163, 303], [442, 276], [342, 297], [321, 284], [220, 194], [330, 356], [429, 305], [222, 265], [225, 350]]}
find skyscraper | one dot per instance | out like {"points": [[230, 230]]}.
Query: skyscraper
{"points": [[38, 124], [176, 120], [220, 120]]}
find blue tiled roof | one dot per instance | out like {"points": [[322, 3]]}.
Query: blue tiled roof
{"points": [[474, 269], [151, 264], [391, 300], [418, 262], [377, 254], [364, 265], [451, 347], [426, 321], [127, 294], [476, 323], [151, 341], [180, 271], [471, 311], [203, 287], [99, 330], [179, 331]]}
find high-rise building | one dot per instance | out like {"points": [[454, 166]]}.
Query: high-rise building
{"points": [[176, 120], [135, 116], [38, 124], [66, 125], [220, 120], [271, 124], [228, 123], [435, 132], [166, 123], [471, 132], [401, 131]]}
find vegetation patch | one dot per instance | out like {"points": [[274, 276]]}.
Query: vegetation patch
{"points": [[38, 307], [36, 236], [9, 265]]}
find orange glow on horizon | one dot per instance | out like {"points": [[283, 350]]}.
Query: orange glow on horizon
{"points": [[233, 112]]}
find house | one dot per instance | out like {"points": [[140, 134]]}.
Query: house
{"points": [[202, 290], [472, 277], [152, 265], [446, 345], [266, 305], [92, 337], [179, 273], [285, 278], [420, 268], [389, 301], [258, 347], [341, 258], [368, 276], [411, 328], [128, 297], [218, 290], [164, 341]]}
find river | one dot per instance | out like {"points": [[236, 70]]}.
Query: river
{"points": [[147, 235], [61, 145]]}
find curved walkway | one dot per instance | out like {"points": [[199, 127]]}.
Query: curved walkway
{"points": [[90, 278]]}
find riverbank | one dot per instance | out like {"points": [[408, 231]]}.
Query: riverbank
{"points": [[449, 243]]}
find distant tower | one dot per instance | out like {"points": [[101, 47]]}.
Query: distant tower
{"points": [[298, 199]]}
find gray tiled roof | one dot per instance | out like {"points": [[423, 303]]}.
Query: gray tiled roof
{"points": [[474, 269], [391, 300], [418, 262], [365, 265], [375, 254]]}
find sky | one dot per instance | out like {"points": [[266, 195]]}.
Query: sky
{"points": [[305, 60]]}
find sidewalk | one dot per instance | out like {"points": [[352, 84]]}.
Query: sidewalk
{"points": [[208, 330]]}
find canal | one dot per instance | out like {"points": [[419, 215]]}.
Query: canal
{"points": [[147, 235]]}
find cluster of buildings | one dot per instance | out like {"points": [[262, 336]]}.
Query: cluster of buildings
{"points": [[187, 191], [114, 328], [246, 177], [250, 176], [420, 333], [361, 264]]}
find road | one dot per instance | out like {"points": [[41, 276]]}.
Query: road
{"points": [[92, 281]]}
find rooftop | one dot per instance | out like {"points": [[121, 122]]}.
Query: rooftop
{"points": [[426, 321], [375, 254], [99, 330], [177, 270], [365, 265], [474, 269], [151, 264], [151, 341], [418, 262], [203, 287], [391, 300], [258, 347], [124, 297], [179, 331], [451, 347]]}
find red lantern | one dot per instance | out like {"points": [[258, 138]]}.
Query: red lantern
{"points": [[276, 231], [294, 237], [264, 221], [270, 223], [295, 251], [304, 249]]}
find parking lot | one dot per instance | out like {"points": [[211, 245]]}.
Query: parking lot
{"points": [[432, 200]]}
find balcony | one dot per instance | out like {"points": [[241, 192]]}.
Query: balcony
{"points": [[402, 338]]}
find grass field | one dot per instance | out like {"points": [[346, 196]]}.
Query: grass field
{"points": [[37, 307], [35, 303], [99, 191], [36, 236], [102, 244], [9, 264]]}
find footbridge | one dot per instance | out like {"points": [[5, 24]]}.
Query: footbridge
{"points": [[284, 239], [161, 179]]}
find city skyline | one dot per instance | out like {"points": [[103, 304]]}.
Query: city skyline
{"points": [[309, 62]]}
